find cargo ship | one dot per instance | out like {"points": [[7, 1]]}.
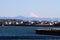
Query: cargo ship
{"points": [[48, 31]]}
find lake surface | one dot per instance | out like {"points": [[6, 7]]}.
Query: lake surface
{"points": [[24, 32]]}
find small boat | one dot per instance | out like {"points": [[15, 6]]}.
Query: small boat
{"points": [[48, 31]]}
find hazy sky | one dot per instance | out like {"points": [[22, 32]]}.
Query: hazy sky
{"points": [[30, 8]]}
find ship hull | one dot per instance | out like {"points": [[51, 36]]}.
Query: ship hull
{"points": [[48, 32]]}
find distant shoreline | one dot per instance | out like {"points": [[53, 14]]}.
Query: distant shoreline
{"points": [[17, 22]]}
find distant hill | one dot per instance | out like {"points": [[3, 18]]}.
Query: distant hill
{"points": [[29, 18]]}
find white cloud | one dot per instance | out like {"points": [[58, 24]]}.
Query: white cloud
{"points": [[33, 15]]}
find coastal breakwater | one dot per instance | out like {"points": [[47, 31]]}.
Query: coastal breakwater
{"points": [[18, 22]]}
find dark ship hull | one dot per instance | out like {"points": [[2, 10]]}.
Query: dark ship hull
{"points": [[50, 31]]}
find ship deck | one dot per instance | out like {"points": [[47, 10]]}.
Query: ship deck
{"points": [[48, 29]]}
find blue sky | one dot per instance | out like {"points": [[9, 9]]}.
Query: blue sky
{"points": [[30, 8]]}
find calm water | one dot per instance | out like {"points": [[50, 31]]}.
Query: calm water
{"points": [[27, 32]]}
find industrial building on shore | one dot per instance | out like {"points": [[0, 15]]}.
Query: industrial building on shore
{"points": [[18, 22]]}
